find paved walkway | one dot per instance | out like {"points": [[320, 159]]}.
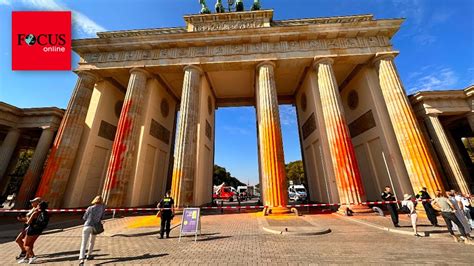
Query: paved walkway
{"points": [[238, 239]]}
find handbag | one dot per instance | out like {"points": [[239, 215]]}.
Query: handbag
{"points": [[97, 228]]}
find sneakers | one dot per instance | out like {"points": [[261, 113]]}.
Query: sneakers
{"points": [[24, 260], [21, 256], [456, 239], [417, 235]]}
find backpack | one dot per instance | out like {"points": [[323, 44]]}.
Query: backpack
{"points": [[405, 209], [42, 221]]}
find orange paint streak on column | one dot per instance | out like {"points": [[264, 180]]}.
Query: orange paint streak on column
{"points": [[346, 170], [63, 153], [418, 161], [184, 168], [122, 160], [270, 140]]}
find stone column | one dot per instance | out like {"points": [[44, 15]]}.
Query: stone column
{"points": [[272, 161], [7, 149], [122, 160], [184, 167], [448, 159], [32, 176], [346, 170], [63, 153], [416, 156]]}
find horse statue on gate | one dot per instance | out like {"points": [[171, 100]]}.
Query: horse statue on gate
{"points": [[219, 7], [204, 8]]}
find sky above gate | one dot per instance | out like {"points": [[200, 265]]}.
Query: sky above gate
{"points": [[436, 43]]}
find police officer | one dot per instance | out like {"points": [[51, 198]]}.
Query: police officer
{"points": [[430, 212], [166, 207], [387, 195]]}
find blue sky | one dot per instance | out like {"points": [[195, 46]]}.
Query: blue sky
{"points": [[436, 44]]}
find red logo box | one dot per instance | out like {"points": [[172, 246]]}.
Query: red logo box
{"points": [[41, 40]]}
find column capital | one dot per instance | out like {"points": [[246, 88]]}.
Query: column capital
{"points": [[88, 75], [194, 67], [270, 63], [140, 70], [384, 56], [322, 60]]}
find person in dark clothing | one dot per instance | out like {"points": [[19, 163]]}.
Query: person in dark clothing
{"points": [[387, 195], [430, 212], [166, 207]]}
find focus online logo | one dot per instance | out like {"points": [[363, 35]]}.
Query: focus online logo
{"points": [[41, 40], [50, 42]]}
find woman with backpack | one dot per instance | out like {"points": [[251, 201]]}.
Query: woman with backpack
{"points": [[36, 224], [92, 226], [20, 239], [408, 206]]}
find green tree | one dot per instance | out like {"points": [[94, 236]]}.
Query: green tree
{"points": [[295, 172], [222, 176]]}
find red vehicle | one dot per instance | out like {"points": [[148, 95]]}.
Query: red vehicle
{"points": [[223, 192]]}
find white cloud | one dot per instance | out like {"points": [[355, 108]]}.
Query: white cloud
{"points": [[82, 25], [287, 115], [422, 18], [434, 78], [6, 2]]}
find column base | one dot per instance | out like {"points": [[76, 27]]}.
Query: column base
{"points": [[354, 209], [276, 210]]}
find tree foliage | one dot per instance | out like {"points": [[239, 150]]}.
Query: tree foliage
{"points": [[221, 175], [295, 172]]}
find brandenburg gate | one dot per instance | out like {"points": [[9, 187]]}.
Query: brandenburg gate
{"points": [[142, 115]]}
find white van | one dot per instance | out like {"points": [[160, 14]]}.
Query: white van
{"points": [[297, 193]]}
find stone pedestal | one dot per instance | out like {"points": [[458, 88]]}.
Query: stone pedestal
{"points": [[418, 161], [272, 162], [346, 170], [32, 176], [7, 149], [63, 153], [184, 168], [447, 156], [122, 160]]}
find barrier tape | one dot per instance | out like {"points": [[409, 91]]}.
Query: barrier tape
{"points": [[215, 207]]}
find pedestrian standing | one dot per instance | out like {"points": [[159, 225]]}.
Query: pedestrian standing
{"points": [[20, 239], [36, 224], [93, 221], [447, 212], [166, 207], [466, 202], [456, 200], [409, 202], [387, 195], [430, 212]]}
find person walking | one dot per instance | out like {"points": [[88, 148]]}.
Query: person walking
{"points": [[387, 195], [409, 203], [430, 212], [166, 211], [447, 209], [36, 224], [93, 219], [20, 239]]}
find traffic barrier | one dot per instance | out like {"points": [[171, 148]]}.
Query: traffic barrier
{"points": [[212, 207]]}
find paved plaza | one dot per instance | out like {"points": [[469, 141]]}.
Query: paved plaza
{"points": [[239, 239]]}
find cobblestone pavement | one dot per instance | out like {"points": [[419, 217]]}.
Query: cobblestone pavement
{"points": [[239, 239]]}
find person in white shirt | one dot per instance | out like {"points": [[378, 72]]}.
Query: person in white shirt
{"points": [[409, 203]]}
